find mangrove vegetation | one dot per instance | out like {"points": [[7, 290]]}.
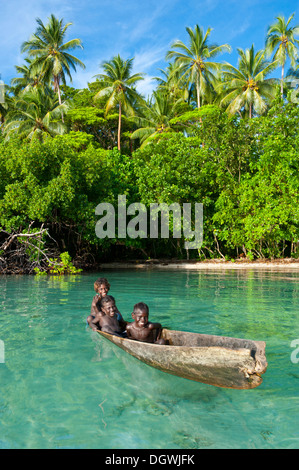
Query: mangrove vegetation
{"points": [[224, 135]]}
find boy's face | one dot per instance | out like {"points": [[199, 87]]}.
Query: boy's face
{"points": [[140, 318], [102, 290], [109, 309]]}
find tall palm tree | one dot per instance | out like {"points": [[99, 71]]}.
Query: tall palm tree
{"points": [[280, 38], [52, 59], [35, 114], [246, 86], [195, 61], [118, 88], [156, 116]]}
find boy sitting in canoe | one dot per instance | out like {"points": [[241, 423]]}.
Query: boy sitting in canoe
{"points": [[101, 286], [143, 330], [109, 319]]}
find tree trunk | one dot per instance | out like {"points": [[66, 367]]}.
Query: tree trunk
{"points": [[119, 127], [197, 92], [56, 85], [282, 77], [198, 99]]}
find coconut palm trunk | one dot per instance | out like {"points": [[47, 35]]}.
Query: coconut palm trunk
{"points": [[119, 127], [198, 93], [282, 79], [57, 88], [119, 88]]}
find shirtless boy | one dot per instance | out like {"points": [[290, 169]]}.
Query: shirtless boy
{"points": [[109, 319], [102, 287], [141, 329]]}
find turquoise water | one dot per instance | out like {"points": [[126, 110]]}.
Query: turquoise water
{"points": [[63, 386]]}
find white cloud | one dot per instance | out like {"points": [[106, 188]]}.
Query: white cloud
{"points": [[146, 58], [146, 86]]}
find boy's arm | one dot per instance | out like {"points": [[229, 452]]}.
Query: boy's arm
{"points": [[95, 322], [121, 321], [128, 329], [95, 306], [106, 326], [158, 328]]}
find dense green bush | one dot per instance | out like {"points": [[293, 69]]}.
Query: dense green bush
{"points": [[244, 172]]}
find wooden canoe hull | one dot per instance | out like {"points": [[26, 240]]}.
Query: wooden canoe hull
{"points": [[214, 360]]}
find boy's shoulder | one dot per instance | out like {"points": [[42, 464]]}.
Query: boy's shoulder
{"points": [[154, 324], [98, 316]]}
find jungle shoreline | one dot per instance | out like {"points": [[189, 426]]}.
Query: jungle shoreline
{"points": [[289, 264], [284, 264]]}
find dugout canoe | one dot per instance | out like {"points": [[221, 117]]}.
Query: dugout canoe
{"points": [[215, 360]]}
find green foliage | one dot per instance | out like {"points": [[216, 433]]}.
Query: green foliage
{"points": [[59, 160], [244, 172], [51, 56], [195, 61], [156, 117], [64, 266], [259, 213], [60, 266]]}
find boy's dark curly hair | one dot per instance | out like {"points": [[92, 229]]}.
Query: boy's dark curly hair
{"points": [[99, 282], [106, 299], [141, 307]]}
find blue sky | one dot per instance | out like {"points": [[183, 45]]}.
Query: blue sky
{"points": [[143, 30]]}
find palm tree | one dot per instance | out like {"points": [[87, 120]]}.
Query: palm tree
{"points": [[280, 38], [52, 59], [5, 101], [171, 82], [156, 116], [27, 79], [3, 111], [35, 114], [195, 60], [118, 88], [246, 86]]}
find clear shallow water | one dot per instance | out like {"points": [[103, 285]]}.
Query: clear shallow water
{"points": [[63, 386]]}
